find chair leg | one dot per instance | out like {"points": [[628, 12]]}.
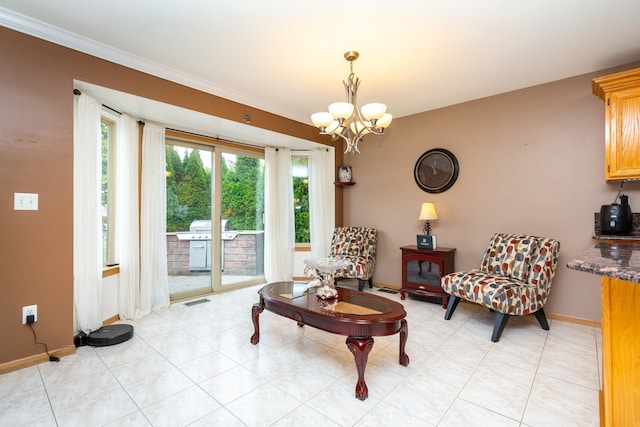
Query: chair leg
{"points": [[360, 285], [451, 306], [542, 319], [498, 326]]}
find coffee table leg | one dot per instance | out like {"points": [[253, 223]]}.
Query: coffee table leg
{"points": [[255, 313], [360, 347], [404, 334]]}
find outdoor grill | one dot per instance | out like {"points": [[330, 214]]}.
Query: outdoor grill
{"points": [[200, 245], [199, 236]]}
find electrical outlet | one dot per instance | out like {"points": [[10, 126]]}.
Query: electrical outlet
{"points": [[27, 310], [25, 201]]}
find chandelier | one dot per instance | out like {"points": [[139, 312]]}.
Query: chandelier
{"points": [[344, 119]]}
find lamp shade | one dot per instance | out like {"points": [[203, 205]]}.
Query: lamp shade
{"points": [[373, 111], [359, 129], [334, 127], [385, 121], [428, 212], [321, 119], [341, 110]]}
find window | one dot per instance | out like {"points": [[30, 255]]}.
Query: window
{"points": [[300, 173], [108, 130]]}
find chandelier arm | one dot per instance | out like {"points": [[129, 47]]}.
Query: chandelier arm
{"points": [[352, 146], [345, 138], [361, 134], [352, 95]]}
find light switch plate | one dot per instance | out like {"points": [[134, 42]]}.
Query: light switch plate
{"points": [[25, 202]]}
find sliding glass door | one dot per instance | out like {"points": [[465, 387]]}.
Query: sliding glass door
{"points": [[242, 218], [189, 190], [215, 230]]}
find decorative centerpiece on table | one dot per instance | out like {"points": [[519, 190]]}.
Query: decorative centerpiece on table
{"points": [[323, 271]]}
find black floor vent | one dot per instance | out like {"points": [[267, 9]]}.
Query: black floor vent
{"points": [[194, 302], [388, 290]]}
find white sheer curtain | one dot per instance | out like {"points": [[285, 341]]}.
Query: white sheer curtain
{"points": [[154, 286], [321, 200], [279, 231], [87, 220], [127, 231]]}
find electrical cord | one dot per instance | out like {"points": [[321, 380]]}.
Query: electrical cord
{"points": [[619, 191], [52, 358]]}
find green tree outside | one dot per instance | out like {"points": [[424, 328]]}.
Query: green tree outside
{"points": [[243, 194], [301, 209]]}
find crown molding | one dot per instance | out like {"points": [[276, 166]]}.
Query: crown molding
{"points": [[50, 33]]}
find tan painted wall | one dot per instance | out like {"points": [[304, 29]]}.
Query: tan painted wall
{"points": [[531, 161], [36, 156]]}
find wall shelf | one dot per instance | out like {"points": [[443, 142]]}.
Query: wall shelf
{"points": [[344, 184]]}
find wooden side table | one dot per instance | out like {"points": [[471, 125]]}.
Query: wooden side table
{"points": [[424, 280]]}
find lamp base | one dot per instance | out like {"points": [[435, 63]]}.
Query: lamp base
{"points": [[426, 242]]}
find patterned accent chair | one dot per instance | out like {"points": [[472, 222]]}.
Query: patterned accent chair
{"points": [[514, 279], [357, 245]]}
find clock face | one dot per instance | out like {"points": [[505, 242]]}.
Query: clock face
{"points": [[436, 170]]}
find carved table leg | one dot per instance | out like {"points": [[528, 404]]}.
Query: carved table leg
{"points": [[404, 334], [360, 347], [255, 312]]}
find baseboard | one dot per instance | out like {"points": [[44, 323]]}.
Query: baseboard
{"points": [[571, 319], [36, 359], [111, 320], [386, 285], [554, 316]]}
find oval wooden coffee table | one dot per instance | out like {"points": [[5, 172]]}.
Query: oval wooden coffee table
{"points": [[358, 315]]}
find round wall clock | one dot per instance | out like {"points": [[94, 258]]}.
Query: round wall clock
{"points": [[436, 170]]}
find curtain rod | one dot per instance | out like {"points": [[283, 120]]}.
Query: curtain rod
{"points": [[77, 92], [216, 138], [300, 149]]}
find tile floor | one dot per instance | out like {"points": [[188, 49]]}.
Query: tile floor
{"points": [[194, 366]]}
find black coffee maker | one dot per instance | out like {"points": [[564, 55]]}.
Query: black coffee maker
{"points": [[616, 218]]}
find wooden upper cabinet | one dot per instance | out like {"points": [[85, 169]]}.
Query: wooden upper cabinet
{"points": [[621, 95]]}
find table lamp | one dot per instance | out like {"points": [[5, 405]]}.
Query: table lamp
{"points": [[427, 213]]}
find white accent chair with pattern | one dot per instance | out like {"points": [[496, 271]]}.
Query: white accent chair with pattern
{"points": [[514, 279], [358, 246]]}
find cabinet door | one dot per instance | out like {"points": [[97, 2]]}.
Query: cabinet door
{"points": [[622, 153], [422, 271]]}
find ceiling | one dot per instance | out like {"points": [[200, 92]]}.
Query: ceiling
{"points": [[286, 56]]}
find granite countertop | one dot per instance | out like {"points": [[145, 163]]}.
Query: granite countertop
{"points": [[619, 260]]}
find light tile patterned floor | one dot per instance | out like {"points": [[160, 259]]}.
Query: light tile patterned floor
{"points": [[194, 366]]}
